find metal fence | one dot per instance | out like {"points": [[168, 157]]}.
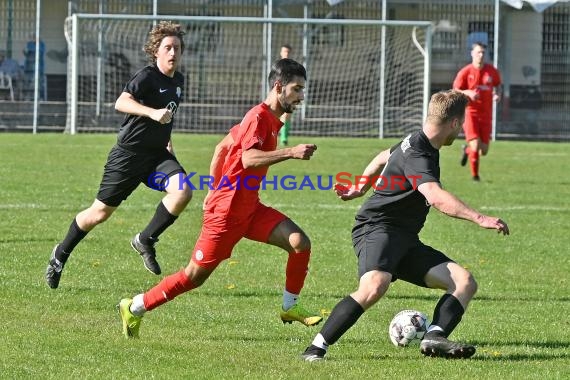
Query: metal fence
{"points": [[533, 49], [365, 77]]}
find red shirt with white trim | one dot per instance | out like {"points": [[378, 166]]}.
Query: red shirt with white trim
{"points": [[483, 81], [237, 191]]}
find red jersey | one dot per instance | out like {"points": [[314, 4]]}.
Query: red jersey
{"points": [[481, 80], [237, 191]]}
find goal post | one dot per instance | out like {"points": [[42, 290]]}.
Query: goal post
{"points": [[361, 82]]}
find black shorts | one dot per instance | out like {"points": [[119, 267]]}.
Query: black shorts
{"points": [[397, 252], [126, 169]]}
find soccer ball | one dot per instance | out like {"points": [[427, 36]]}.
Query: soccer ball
{"points": [[408, 327]]}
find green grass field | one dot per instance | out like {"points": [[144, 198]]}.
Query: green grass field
{"points": [[229, 328]]}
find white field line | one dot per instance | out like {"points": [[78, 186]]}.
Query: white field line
{"points": [[329, 206], [347, 205]]}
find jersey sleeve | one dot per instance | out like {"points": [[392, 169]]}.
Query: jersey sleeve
{"points": [[496, 78], [137, 85], [420, 169], [394, 147], [252, 132], [459, 82]]}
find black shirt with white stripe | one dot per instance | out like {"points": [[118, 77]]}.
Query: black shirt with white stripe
{"points": [[396, 202]]}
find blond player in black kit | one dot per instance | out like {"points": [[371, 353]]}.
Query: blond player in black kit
{"points": [[143, 153], [385, 234]]}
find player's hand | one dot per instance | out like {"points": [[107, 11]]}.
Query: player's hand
{"points": [[347, 193], [170, 148], [472, 94], [303, 151], [163, 116], [493, 223]]}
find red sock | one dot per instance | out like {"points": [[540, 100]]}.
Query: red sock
{"points": [[473, 161], [167, 289], [296, 272]]}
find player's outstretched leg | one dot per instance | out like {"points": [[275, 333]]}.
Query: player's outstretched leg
{"points": [[131, 323], [300, 314], [437, 345], [147, 253]]}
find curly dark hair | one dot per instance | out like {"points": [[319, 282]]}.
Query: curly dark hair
{"points": [[157, 34]]}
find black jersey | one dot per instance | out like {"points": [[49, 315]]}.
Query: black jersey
{"points": [[153, 89], [396, 202]]}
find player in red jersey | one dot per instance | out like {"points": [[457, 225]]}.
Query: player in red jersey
{"points": [[232, 208], [481, 82]]}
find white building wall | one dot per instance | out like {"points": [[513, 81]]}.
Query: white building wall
{"points": [[525, 48]]}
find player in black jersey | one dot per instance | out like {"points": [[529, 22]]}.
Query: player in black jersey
{"points": [[143, 153], [406, 181]]}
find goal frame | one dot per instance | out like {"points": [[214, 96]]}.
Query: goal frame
{"points": [[425, 51]]}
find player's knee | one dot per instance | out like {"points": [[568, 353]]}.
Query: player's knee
{"points": [[371, 293], [181, 194], [300, 242], [373, 285], [467, 284], [181, 197], [475, 148], [472, 285], [197, 274], [185, 196], [100, 216], [375, 293]]}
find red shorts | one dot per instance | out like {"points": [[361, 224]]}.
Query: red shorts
{"points": [[476, 126], [220, 234]]}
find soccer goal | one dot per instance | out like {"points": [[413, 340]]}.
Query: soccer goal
{"points": [[366, 78]]}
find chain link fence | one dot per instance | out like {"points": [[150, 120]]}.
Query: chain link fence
{"points": [[533, 50]]}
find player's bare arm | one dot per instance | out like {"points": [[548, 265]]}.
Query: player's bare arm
{"points": [[450, 205], [126, 103], [253, 158], [472, 94], [371, 171]]}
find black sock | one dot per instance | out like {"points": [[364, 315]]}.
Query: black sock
{"points": [[73, 237], [343, 316], [447, 313], [161, 220]]}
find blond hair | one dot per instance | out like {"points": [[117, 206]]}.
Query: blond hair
{"points": [[446, 105]]}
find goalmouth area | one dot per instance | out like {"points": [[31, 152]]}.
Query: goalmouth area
{"points": [[375, 84]]}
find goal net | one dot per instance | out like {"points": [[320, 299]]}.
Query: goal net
{"points": [[365, 77]]}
